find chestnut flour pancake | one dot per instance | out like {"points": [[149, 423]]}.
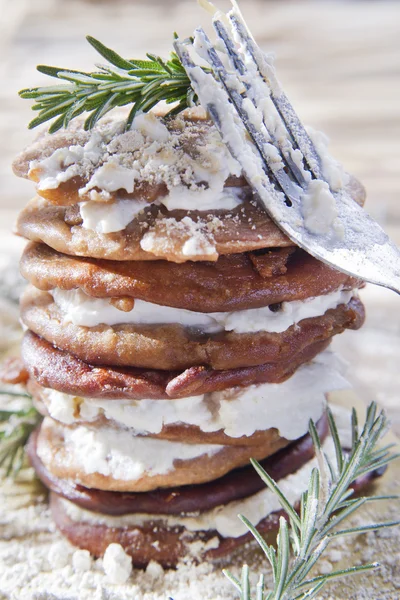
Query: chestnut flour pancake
{"points": [[170, 347], [64, 372], [235, 282], [157, 234], [60, 455]]}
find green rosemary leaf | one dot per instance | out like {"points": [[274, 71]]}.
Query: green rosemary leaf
{"points": [[14, 394], [245, 583], [50, 113], [282, 557], [313, 592], [5, 415], [364, 529], [336, 440], [15, 429], [258, 537], [260, 588], [162, 65], [54, 71], [310, 513], [274, 488], [232, 579], [341, 573], [76, 109], [57, 124], [146, 64], [382, 463], [354, 429], [302, 567], [343, 514], [78, 78], [368, 499], [110, 55]]}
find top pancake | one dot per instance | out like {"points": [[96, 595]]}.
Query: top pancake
{"points": [[187, 155], [154, 156]]}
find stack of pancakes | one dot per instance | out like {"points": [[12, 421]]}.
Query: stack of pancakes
{"points": [[173, 333]]}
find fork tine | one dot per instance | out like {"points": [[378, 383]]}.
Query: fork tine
{"points": [[248, 112], [214, 98], [286, 144], [279, 98]]}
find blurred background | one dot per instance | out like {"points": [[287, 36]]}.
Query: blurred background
{"points": [[339, 62]]}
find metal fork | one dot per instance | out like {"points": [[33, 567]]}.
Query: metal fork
{"points": [[264, 142]]}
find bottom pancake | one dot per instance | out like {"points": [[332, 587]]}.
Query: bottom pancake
{"points": [[153, 543], [168, 541]]}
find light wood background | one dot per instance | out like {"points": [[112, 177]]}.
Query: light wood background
{"points": [[339, 62]]}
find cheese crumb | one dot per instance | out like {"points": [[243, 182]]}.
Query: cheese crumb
{"points": [[154, 570], [58, 557], [318, 207], [81, 561], [117, 564]]}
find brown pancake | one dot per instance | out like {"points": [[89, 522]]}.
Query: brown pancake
{"points": [[195, 138], [243, 229], [161, 544], [173, 347], [56, 369], [235, 282], [61, 460], [233, 486]]}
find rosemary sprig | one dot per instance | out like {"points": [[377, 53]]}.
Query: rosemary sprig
{"points": [[323, 507], [15, 429], [143, 83]]}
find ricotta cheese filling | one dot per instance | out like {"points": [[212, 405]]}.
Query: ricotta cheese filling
{"points": [[115, 216], [117, 453], [83, 310], [187, 158], [238, 412], [222, 519], [318, 207]]}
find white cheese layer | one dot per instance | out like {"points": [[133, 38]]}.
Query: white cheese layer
{"points": [[115, 216], [111, 216], [109, 159], [286, 406], [80, 309], [118, 453], [223, 519]]}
